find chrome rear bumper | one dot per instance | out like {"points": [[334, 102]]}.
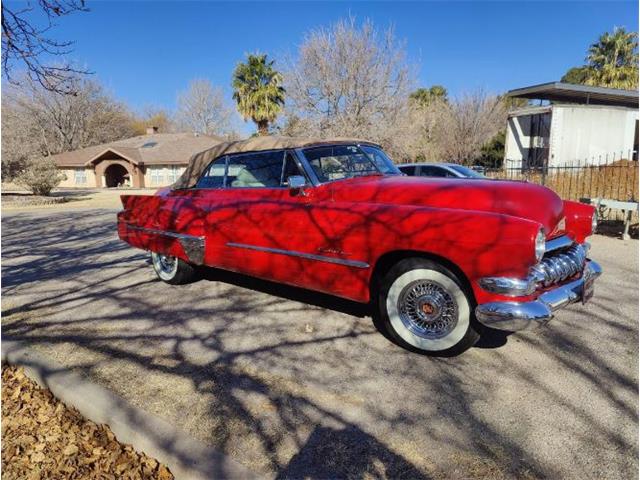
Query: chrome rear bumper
{"points": [[516, 316]]}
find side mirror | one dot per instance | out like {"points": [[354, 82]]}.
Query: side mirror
{"points": [[296, 182]]}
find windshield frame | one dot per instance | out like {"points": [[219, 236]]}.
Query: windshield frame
{"points": [[300, 152]]}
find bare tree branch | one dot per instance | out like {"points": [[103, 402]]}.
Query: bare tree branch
{"points": [[456, 130], [37, 122], [24, 43], [202, 109], [351, 80]]}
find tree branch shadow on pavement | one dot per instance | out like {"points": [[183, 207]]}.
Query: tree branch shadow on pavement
{"points": [[330, 453], [283, 402]]}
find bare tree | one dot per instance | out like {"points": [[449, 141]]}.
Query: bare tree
{"points": [[37, 122], [458, 129], [19, 143], [24, 43], [202, 109], [350, 80]]}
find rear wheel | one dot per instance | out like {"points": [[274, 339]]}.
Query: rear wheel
{"points": [[423, 306], [172, 270]]}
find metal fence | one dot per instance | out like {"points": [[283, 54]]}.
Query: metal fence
{"points": [[611, 177]]}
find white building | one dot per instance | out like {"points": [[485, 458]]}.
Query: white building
{"points": [[578, 124]]}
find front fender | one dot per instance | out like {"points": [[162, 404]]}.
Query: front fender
{"points": [[480, 244]]}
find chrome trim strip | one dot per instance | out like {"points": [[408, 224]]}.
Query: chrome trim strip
{"points": [[558, 243], [307, 256], [192, 245], [513, 287], [516, 316], [161, 232]]}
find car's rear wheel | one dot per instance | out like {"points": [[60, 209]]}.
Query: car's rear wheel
{"points": [[172, 270], [424, 307]]}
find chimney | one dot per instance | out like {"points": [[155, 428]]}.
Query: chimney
{"points": [[152, 130]]}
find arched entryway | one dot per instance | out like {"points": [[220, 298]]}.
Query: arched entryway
{"points": [[113, 170], [116, 176]]}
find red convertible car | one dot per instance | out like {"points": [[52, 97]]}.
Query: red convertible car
{"points": [[434, 257]]}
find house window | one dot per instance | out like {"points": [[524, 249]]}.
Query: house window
{"points": [[174, 173], [157, 175], [80, 176]]}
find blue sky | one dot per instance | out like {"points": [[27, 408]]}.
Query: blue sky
{"points": [[147, 51]]}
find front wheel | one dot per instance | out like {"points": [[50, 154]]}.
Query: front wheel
{"points": [[423, 306], [172, 270]]}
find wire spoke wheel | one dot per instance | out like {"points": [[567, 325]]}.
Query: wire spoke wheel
{"points": [[166, 263], [427, 309], [165, 266], [424, 307]]}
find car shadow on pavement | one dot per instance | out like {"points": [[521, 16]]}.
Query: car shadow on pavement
{"points": [[296, 294], [492, 338]]}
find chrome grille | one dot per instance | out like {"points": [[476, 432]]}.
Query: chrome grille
{"points": [[560, 265]]}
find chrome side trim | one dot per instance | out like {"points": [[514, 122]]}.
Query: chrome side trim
{"points": [[558, 243], [192, 245], [307, 256], [516, 316], [194, 249]]}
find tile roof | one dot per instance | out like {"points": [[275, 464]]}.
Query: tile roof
{"points": [[154, 149]]}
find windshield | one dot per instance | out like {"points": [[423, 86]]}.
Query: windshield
{"points": [[467, 172], [336, 162]]}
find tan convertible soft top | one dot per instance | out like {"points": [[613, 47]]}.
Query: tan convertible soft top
{"points": [[199, 162]]}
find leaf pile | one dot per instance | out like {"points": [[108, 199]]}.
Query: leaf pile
{"points": [[42, 438]]}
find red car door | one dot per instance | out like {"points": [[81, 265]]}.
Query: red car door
{"points": [[256, 225], [250, 211]]}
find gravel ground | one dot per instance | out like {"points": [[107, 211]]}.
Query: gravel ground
{"points": [[290, 382], [42, 438], [74, 198]]}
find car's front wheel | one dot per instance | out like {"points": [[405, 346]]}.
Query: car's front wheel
{"points": [[424, 307], [172, 270]]}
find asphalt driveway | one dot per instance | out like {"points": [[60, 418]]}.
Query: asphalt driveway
{"points": [[294, 383]]}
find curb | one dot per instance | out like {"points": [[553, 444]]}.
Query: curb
{"points": [[186, 457]]}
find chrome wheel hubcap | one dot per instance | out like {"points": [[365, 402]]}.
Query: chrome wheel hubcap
{"points": [[164, 263], [427, 309]]}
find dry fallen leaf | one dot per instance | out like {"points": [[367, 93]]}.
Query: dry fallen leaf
{"points": [[42, 439], [70, 450], [164, 474], [38, 457]]}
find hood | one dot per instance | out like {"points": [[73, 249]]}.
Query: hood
{"points": [[517, 199]]}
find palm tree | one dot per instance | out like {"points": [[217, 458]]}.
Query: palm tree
{"points": [[425, 96], [258, 91], [613, 60]]}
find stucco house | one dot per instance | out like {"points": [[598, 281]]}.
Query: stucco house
{"points": [[151, 160]]}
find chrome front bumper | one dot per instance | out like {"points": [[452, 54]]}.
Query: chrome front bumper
{"points": [[516, 316]]}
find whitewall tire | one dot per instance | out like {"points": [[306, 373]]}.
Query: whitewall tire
{"points": [[172, 270], [424, 307]]}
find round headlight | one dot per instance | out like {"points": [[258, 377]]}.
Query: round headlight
{"points": [[594, 222], [541, 245]]}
